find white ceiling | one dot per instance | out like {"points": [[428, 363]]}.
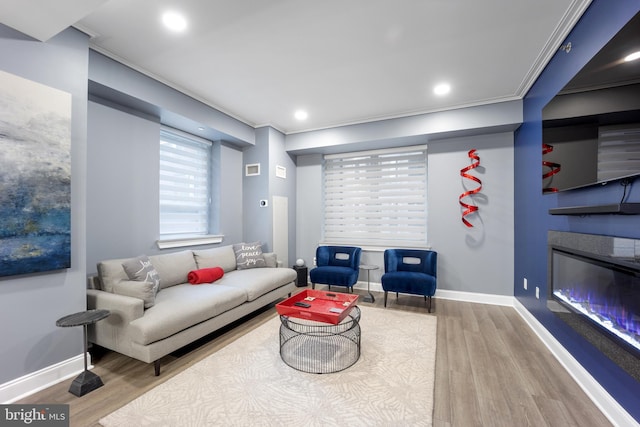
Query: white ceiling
{"points": [[342, 61]]}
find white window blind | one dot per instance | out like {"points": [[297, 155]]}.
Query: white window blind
{"points": [[185, 164], [376, 197]]}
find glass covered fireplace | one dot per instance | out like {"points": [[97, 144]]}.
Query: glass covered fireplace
{"points": [[603, 289]]}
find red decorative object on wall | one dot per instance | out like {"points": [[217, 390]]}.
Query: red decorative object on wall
{"points": [[554, 168], [463, 173]]}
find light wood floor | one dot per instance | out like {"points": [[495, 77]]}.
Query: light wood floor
{"points": [[491, 370]]}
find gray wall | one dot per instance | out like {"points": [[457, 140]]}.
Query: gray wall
{"points": [[122, 180], [464, 254], [477, 259], [309, 206], [268, 151], [31, 304], [115, 81], [284, 187], [257, 219], [231, 192]]}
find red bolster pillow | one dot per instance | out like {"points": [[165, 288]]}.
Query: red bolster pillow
{"points": [[205, 275]]}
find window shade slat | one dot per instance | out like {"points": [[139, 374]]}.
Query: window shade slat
{"points": [[376, 197], [185, 165]]}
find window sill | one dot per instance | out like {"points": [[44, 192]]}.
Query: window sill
{"points": [[375, 248], [189, 241]]}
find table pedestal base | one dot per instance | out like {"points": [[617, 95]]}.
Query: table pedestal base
{"points": [[369, 297], [84, 383]]}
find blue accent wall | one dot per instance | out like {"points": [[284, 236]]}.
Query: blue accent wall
{"points": [[598, 25]]}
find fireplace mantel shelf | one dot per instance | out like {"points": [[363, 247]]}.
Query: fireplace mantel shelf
{"points": [[613, 208]]}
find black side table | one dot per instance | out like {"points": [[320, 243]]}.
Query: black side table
{"points": [[302, 275], [87, 381], [369, 297]]}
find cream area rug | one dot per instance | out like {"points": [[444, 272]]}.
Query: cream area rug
{"points": [[246, 383]]}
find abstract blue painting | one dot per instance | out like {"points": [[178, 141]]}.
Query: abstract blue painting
{"points": [[35, 177]]}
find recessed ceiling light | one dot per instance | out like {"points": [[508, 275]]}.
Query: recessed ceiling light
{"points": [[174, 21], [442, 89], [632, 57], [301, 115]]}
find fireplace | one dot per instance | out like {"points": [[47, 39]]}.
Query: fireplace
{"points": [[594, 285]]}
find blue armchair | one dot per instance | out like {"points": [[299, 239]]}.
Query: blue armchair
{"points": [[410, 271], [336, 265]]}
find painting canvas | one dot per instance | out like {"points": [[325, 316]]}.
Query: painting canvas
{"points": [[35, 177]]}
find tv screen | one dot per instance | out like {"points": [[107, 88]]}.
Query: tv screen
{"points": [[591, 128]]}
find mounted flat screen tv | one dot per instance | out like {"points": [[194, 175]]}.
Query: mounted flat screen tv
{"points": [[591, 128]]}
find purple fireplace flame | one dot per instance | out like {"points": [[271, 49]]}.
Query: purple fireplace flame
{"points": [[604, 292], [613, 318]]}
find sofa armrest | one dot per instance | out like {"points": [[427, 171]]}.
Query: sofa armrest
{"points": [[114, 331], [124, 307]]}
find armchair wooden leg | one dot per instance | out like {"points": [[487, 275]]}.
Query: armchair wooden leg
{"points": [[156, 367], [313, 285], [385, 298], [429, 306]]}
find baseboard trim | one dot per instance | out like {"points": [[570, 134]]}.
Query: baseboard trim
{"points": [[506, 300], [34, 382], [479, 298], [611, 409]]}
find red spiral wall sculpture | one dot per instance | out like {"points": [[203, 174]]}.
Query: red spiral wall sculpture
{"points": [[468, 208], [554, 168]]}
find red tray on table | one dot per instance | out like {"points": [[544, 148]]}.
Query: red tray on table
{"points": [[324, 306]]}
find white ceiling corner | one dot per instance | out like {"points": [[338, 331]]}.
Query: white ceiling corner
{"points": [[43, 19]]}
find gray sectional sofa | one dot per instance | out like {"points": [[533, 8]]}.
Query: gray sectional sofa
{"points": [[147, 323]]}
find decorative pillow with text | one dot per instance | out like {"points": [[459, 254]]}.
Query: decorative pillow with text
{"points": [[140, 269], [249, 255]]}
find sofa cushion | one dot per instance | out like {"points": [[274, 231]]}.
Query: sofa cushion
{"points": [[216, 257], [270, 259], [249, 255], [256, 282], [140, 269], [182, 306], [143, 290], [112, 272], [174, 267]]}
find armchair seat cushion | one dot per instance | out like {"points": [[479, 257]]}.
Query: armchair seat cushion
{"points": [[409, 282], [334, 275]]}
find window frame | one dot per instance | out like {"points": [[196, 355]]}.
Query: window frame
{"points": [[393, 187], [186, 145]]}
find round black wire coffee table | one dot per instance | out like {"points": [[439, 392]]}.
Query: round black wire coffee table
{"points": [[318, 347]]}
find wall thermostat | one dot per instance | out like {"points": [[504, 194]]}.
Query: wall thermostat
{"points": [[264, 203]]}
